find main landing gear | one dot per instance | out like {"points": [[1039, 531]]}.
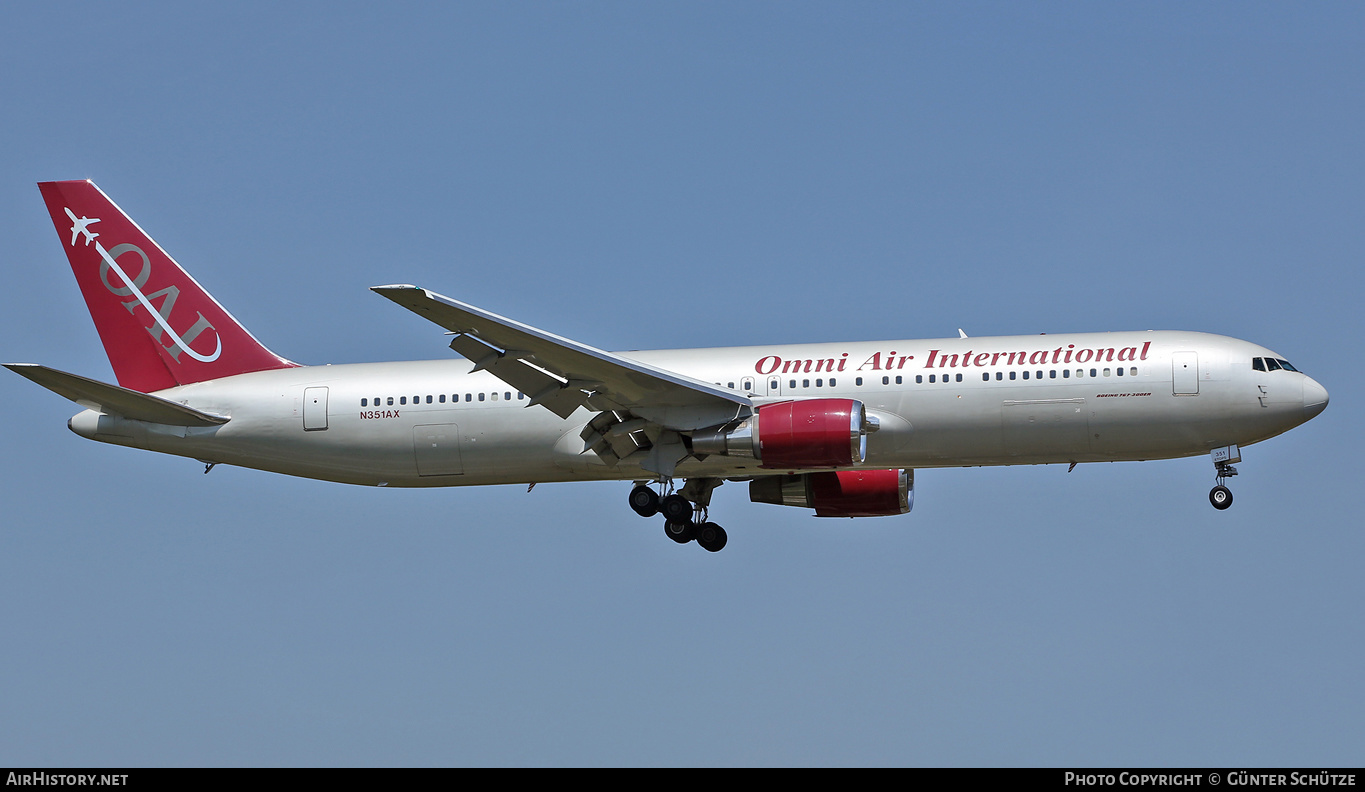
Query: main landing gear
{"points": [[685, 512], [1220, 496]]}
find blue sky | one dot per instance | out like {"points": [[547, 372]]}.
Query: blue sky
{"points": [[653, 175]]}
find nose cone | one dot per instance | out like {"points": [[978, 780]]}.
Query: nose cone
{"points": [[1314, 398]]}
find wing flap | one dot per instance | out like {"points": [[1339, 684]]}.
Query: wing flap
{"points": [[555, 393]]}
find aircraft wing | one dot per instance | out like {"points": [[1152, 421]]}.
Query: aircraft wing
{"points": [[564, 375], [113, 400]]}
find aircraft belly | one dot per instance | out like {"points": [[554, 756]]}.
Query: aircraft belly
{"points": [[1080, 423], [495, 450], [1056, 428]]}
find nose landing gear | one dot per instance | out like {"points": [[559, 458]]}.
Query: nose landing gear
{"points": [[685, 512], [1220, 496]]}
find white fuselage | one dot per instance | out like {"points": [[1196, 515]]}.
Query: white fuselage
{"points": [[940, 403]]}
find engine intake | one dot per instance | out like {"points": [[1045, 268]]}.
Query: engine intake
{"points": [[808, 433], [840, 493]]}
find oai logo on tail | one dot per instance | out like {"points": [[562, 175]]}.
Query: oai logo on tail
{"points": [[81, 226]]}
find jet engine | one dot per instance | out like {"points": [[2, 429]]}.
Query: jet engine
{"points": [[840, 493], [807, 433]]}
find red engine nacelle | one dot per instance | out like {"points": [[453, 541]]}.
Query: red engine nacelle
{"points": [[807, 433], [840, 493]]}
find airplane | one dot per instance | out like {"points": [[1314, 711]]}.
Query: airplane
{"points": [[839, 428], [81, 226]]}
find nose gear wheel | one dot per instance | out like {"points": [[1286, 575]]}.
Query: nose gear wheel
{"points": [[1220, 496]]}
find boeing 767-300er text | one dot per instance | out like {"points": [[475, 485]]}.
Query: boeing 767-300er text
{"points": [[834, 427]]}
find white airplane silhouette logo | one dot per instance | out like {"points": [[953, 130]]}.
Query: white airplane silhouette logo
{"points": [[81, 226]]}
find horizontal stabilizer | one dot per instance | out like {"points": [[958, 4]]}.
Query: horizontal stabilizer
{"points": [[113, 400]]}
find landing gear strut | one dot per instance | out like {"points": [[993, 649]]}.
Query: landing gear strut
{"points": [[1220, 496], [684, 511]]}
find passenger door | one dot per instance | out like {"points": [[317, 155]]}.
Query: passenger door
{"points": [[1185, 373], [314, 409]]}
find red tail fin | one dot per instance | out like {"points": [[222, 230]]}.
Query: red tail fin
{"points": [[159, 327]]}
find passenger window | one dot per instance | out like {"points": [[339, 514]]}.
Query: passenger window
{"points": [[932, 378], [985, 376], [520, 395], [1106, 372], [959, 378], [390, 401], [999, 375], [1052, 374], [805, 383], [791, 384], [428, 400], [481, 397], [858, 381], [1092, 372], [469, 397], [1118, 371], [898, 380], [1066, 373], [363, 402], [402, 400], [1258, 364], [831, 382], [1132, 372], [443, 398], [730, 385], [1025, 375], [495, 395], [1011, 375], [820, 383], [887, 380]]}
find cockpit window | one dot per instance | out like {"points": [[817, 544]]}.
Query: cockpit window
{"points": [[1271, 364]]}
